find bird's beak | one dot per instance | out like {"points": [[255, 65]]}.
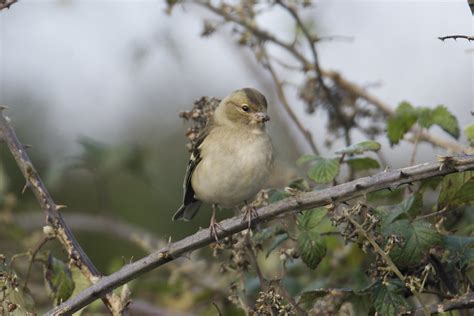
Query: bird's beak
{"points": [[261, 117]]}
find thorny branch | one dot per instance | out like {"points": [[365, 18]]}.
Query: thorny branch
{"points": [[349, 87], [60, 229], [465, 301], [455, 37], [303, 201]]}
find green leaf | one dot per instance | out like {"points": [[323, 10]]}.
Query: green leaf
{"points": [[456, 190], [388, 298], [417, 239], [447, 121], [461, 248], [309, 219], [361, 164], [469, 132], [324, 170], [439, 116], [359, 148], [311, 247], [58, 279], [425, 117], [401, 122], [406, 209], [306, 158]]}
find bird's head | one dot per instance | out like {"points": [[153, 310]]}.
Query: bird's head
{"points": [[244, 107]]}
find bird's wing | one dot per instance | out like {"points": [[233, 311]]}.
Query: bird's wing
{"points": [[190, 203]]}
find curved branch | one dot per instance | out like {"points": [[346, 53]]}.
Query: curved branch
{"points": [[303, 201], [53, 218], [455, 37]]}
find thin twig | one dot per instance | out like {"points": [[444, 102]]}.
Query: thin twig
{"points": [[384, 256], [455, 37], [33, 256], [62, 232], [293, 204], [284, 101], [440, 212], [253, 258], [319, 76]]}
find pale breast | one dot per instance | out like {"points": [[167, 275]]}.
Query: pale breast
{"points": [[234, 169]]}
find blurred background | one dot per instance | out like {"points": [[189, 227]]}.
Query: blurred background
{"points": [[96, 87]]}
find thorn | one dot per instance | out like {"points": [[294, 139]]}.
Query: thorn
{"points": [[58, 207], [403, 174], [24, 188], [27, 146], [3, 107]]}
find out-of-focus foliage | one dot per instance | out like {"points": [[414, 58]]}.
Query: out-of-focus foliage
{"points": [[406, 116]]}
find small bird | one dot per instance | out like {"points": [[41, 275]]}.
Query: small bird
{"points": [[232, 159]]}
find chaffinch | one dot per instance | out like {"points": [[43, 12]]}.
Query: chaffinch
{"points": [[232, 159]]}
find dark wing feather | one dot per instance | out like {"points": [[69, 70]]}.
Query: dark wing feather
{"points": [[190, 203]]}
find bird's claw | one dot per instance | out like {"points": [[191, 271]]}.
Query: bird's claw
{"points": [[214, 227], [250, 213]]}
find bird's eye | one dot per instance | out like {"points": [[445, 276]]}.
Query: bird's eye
{"points": [[245, 108]]}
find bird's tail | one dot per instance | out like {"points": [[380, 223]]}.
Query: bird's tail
{"points": [[188, 211]]}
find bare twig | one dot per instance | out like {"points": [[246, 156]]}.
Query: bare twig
{"points": [[61, 231], [315, 65], [5, 4], [455, 37], [362, 232], [253, 258], [303, 201], [284, 101], [465, 301], [33, 256]]}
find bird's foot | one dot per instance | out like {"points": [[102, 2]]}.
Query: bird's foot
{"points": [[250, 213], [214, 228]]}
